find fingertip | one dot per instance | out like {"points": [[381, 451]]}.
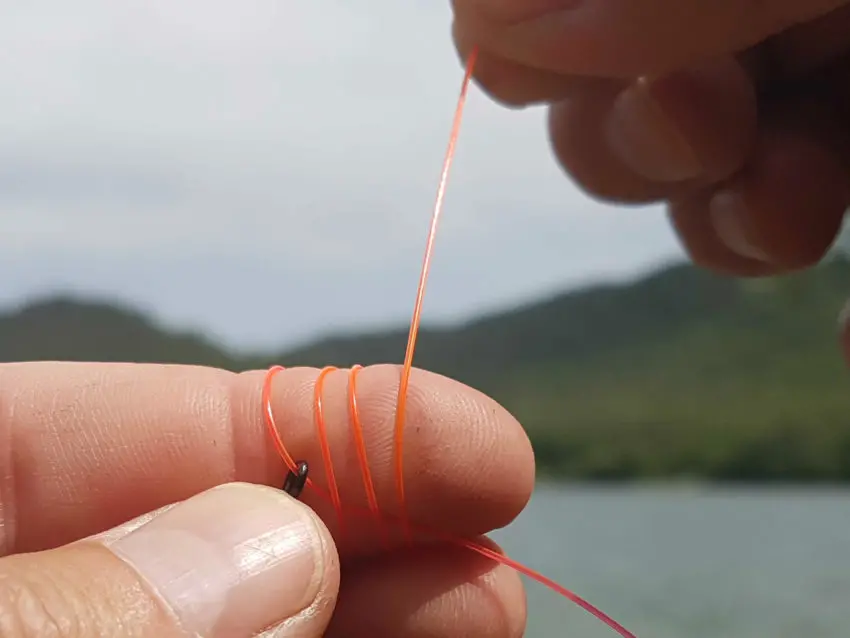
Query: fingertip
{"points": [[657, 137], [578, 139], [728, 211], [782, 212], [233, 560], [787, 207], [691, 220], [468, 464], [466, 444], [510, 83], [237, 559], [697, 123]]}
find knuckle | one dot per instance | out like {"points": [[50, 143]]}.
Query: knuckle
{"points": [[36, 607]]}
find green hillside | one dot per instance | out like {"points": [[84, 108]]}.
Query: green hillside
{"points": [[680, 374]]}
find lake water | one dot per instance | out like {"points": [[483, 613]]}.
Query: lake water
{"points": [[688, 563]]}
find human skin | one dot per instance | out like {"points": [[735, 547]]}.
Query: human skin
{"points": [[733, 113], [87, 447]]}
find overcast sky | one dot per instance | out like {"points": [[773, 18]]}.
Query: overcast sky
{"points": [[265, 169]]}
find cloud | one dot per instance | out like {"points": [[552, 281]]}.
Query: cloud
{"points": [[154, 149]]}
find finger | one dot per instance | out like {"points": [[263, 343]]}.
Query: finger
{"points": [[657, 137], [626, 38], [783, 211], [430, 592], [695, 228], [695, 124], [84, 447], [512, 84], [228, 563], [469, 464], [577, 133]]}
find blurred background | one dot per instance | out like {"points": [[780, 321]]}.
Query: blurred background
{"points": [[236, 184]]}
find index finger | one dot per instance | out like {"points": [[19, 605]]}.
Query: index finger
{"points": [[86, 446], [626, 38]]}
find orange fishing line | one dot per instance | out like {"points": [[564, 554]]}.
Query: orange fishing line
{"points": [[319, 415], [373, 511], [401, 403], [362, 458], [386, 520]]}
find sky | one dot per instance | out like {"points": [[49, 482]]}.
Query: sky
{"points": [[265, 170]]}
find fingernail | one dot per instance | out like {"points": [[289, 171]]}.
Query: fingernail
{"points": [[728, 217], [647, 139], [231, 561]]}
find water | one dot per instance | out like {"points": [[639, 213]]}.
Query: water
{"points": [[677, 563]]}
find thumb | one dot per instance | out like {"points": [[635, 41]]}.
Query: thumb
{"points": [[231, 562], [626, 38]]}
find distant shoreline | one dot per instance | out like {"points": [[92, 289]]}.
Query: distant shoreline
{"points": [[681, 379]]}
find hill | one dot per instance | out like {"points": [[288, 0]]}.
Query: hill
{"points": [[679, 374]]}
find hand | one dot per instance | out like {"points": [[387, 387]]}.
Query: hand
{"points": [[84, 448], [734, 112]]}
